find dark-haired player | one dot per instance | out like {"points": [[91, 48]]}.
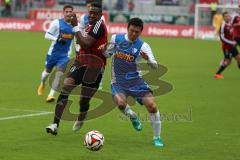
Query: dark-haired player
{"points": [[229, 45], [127, 50], [84, 22], [61, 34], [87, 69]]}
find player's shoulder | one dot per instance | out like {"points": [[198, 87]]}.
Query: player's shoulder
{"points": [[56, 21], [99, 26]]}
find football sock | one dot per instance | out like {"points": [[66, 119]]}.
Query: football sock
{"points": [[52, 92], [129, 112], [156, 123], [238, 65], [221, 69], [44, 77], [61, 103], [55, 83]]}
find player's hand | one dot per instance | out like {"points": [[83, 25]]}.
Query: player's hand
{"points": [[144, 55], [61, 40], [235, 43], [74, 21]]}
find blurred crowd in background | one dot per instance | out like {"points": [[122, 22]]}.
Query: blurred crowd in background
{"points": [[180, 12]]}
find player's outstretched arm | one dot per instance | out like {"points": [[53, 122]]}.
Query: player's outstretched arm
{"points": [[53, 31], [85, 42], [147, 54], [110, 48]]}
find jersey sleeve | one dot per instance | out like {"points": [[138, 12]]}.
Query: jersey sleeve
{"points": [[147, 51], [81, 22], [223, 35], [53, 31], [97, 31], [111, 47]]}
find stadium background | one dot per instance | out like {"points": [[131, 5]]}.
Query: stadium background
{"points": [[201, 113]]}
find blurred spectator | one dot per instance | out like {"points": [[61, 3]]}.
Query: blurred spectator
{"points": [[131, 5], [213, 9], [119, 5], [191, 12], [7, 11], [217, 21]]}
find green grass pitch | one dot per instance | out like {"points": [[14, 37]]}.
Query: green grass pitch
{"points": [[211, 107]]}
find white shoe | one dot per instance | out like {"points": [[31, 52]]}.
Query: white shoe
{"points": [[52, 128], [77, 126]]}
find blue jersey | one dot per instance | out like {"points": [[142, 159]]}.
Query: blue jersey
{"points": [[124, 65], [65, 31]]}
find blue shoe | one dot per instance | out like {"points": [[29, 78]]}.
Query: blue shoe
{"points": [[136, 124], [157, 142]]}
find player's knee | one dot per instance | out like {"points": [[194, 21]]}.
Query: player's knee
{"points": [[68, 85], [151, 106], [226, 62], [59, 74], [121, 104]]}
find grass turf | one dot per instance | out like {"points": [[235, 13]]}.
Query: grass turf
{"points": [[211, 130]]}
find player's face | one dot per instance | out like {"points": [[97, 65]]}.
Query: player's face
{"points": [[94, 15], [67, 13], [134, 32], [88, 6], [227, 18]]}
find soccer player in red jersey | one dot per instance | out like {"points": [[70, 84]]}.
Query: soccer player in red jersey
{"points": [[229, 45], [88, 67], [235, 22]]}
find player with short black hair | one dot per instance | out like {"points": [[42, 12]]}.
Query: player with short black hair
{"points": [[61, 34], [229, 45], [127, 50], [87, 69]]}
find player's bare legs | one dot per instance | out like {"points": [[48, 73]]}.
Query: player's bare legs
{"points": [[44, 76], [238, 60], [223, 65], [121, 100], [59, 73], [86, 95], [69, 85], [149, 102]]}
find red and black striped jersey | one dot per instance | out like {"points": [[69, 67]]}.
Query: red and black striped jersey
{"points": [[236, 30], [226, 36], [99, 32]]}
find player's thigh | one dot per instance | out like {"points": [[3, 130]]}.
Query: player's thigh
{"points": [[121, 100], [89, 89], [119, 95], [235, 53], [149, 101], [68, 85]]}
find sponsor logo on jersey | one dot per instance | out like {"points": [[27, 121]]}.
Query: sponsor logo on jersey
{"points": [[67, 36], [127, 57]]}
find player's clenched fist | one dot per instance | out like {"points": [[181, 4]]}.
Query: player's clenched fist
{"points": [[74, 21]]}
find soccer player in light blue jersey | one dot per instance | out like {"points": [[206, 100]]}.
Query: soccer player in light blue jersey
{"points": [[127, 50], [61, 34]]}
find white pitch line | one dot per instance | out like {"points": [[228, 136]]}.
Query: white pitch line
{"points": [[21, 110], [26, 115]]}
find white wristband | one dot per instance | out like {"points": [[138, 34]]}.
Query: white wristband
{"points": [[76, 29]]}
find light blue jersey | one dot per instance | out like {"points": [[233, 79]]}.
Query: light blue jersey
{"points": [[126, 77], [59, 53]]}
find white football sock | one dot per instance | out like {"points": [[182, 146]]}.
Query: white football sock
{"points": [[52, 92], [44, 77], [156, 124], [129, 112], [56, 80], [55, 83]]}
